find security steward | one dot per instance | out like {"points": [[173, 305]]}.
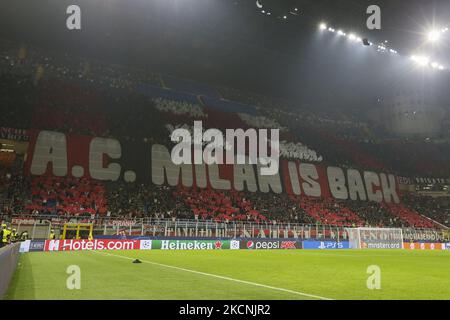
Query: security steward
{"points": [[1, 234], [14, 235], [24, 236], [6, 236], [52, 235]]}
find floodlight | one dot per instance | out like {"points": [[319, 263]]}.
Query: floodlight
{"points": [[420, 60], [322, 26], [434, 35]]}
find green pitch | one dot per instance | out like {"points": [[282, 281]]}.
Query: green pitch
{"points": [[234, 274]]}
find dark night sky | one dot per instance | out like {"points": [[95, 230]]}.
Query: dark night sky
{"points": [[230, 42]]}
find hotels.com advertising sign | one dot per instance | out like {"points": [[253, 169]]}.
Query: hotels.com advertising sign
{"points": [[97, 244]]}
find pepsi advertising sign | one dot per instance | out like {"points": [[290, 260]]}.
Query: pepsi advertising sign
{"points": [[258, 244]]}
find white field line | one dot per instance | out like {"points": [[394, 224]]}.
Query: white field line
{"points": [[220, 277]]}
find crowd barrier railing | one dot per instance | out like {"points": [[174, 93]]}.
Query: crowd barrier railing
{"points": [[40, 227]]}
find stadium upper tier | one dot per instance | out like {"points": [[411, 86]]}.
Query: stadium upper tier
{"points": [[40, 90]]}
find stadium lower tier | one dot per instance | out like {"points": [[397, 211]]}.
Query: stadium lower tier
{"points": [[73, 197]]}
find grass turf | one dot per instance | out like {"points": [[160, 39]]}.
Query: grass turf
{"points": [[335, 274]]}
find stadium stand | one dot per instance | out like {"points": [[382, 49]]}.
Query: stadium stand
{"points": [[436, 208], [408, 215], [329, 212], [69, 95], [66, 196]]}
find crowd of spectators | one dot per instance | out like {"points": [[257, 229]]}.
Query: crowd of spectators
{"points": [[80, 197], [139, 200], [77, 95], [373, 214], [328, 211], [42, 64], [411, 217], [69, 108], [14, 189], [179, 108], [437, 208], [44, 90], [132, 117], [298, 151], [279, 208], [15, 106], [209, 204], [66, 196], [261, 122]]}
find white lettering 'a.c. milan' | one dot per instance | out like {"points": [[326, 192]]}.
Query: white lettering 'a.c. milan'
{"points": [[98, 148], [58, 154], [50, 148]]}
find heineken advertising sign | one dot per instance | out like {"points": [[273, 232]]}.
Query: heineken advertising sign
{"points": [[192, 244]]}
